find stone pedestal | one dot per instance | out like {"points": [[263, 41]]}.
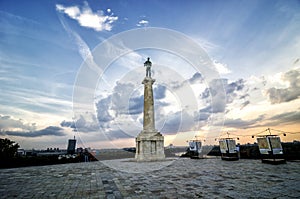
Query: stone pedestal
{"points": [[149, 147], [149, 143]]}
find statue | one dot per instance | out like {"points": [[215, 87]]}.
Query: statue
{"points": [[149, 142], [148, 65]]}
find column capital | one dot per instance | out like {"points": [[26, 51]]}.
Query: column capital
{"points": [[148, 80]]}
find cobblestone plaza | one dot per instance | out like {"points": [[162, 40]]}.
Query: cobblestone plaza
{"points": [[180, 178]]}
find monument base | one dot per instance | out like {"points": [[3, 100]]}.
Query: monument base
{"points": [[149, 146]]}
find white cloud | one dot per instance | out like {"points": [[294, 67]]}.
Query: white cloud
{"points": [[72, 11], [292, 92], [143, 23], [87, 18], [222, 68]]}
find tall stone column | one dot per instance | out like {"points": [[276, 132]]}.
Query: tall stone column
{"points": [[149, 122], [149, 143]]}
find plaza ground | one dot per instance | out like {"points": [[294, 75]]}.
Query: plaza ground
{"points": [[173, 178]]}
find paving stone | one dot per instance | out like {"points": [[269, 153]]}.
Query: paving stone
{"points": [[182, 178]]}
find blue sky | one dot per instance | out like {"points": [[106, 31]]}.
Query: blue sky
{"points": [[254, 46]]}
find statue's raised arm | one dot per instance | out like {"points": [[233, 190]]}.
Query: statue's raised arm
{"points": [[148, 65]]}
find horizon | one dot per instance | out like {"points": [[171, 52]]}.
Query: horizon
{"points": [[54, 86], [175, 146]]}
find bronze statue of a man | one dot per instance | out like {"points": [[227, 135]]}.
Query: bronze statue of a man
{"points": [[148, 65]]}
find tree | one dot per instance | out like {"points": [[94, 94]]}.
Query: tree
{"points": [[8, 148]]}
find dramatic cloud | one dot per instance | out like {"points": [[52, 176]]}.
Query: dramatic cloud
{"points": [[112, 111], [285, 118], [216, 91], [121, 96], [282, 119], [120, 112], [103, 107], [124, 101], [292, 92], [68, 124], [136, 105], [49, 131], [244, 104], [177, 122], [160, 92], [87, 18], [232, 89], [196, 78], [7, 122], [87, 123], [219, 94], [240, 123], [202, 116]]}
